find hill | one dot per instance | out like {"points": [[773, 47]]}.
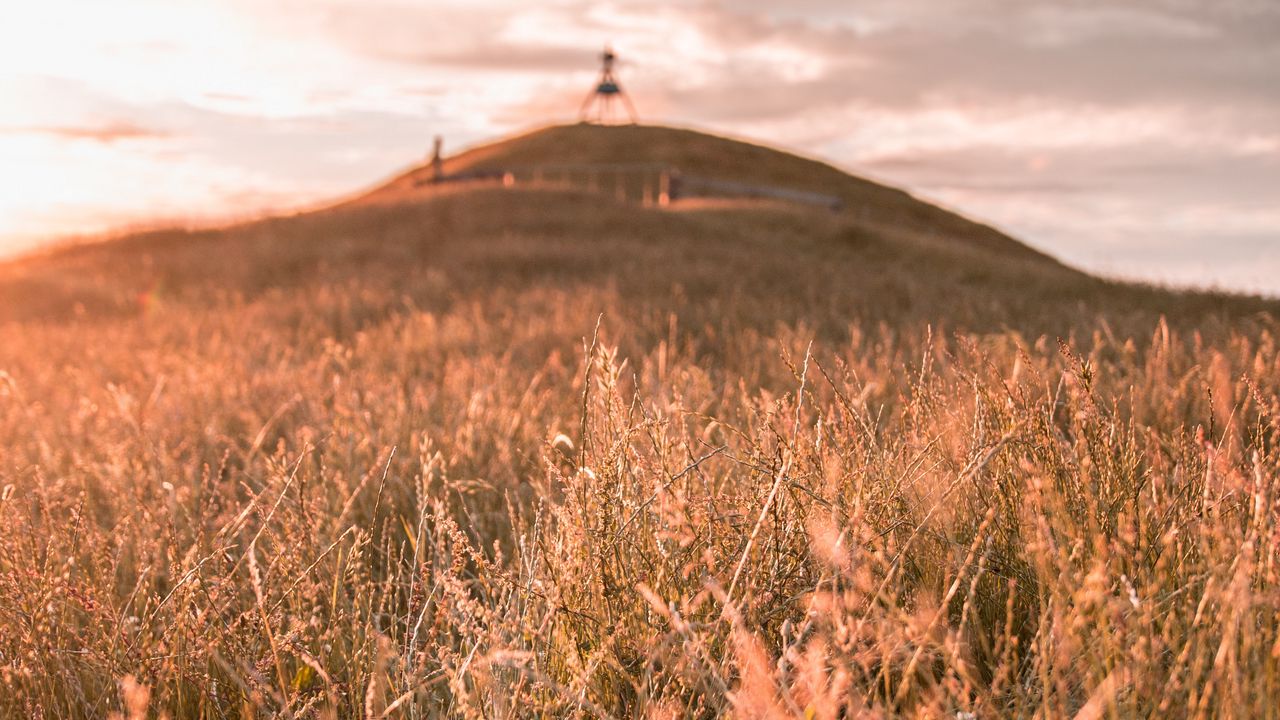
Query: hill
{"points": [[884, 257], [531, 446], [709, 155]]}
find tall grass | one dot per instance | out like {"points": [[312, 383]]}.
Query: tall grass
{"points": [[617, 463]]}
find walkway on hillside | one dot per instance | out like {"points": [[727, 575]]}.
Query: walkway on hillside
{"points": [[649, 184]]}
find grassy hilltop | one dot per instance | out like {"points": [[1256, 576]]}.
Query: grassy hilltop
{"points": [[475, 451]]}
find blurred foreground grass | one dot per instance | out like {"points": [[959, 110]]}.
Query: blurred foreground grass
{"points": [[511, 454]]}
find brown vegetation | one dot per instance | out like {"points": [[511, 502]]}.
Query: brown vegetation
{"points": [[531, 453]]}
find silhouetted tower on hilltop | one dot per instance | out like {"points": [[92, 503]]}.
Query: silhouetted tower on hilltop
{"points": [[601, 105]]}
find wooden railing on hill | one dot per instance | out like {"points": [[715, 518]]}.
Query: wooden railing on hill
{"points": [[644, 183]]}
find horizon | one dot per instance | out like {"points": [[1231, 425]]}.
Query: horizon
{"points": [[1072, 132]]}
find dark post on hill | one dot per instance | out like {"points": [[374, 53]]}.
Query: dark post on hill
{"points": [[601, 105], [437, 160]]}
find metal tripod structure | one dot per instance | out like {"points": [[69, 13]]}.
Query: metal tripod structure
{"points": [[601, 106]]}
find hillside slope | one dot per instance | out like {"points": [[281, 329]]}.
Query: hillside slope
{"points": [[715, 157], [886, 257]]}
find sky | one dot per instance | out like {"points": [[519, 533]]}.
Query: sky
{"points": [[1133, 138]]}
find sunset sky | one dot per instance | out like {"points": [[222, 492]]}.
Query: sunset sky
{"points": [[1138, 138]]}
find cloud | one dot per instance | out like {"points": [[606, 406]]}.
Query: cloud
{"points": [[105, 133], [501, 57]]}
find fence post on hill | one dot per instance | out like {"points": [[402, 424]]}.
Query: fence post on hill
{"points": [[508, 179], [664, 188], [437, 160]]}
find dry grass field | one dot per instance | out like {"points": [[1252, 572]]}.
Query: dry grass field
{"points": [[534, 453]]}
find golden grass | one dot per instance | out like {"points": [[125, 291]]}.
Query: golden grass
{"points": [[511, 454]]}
